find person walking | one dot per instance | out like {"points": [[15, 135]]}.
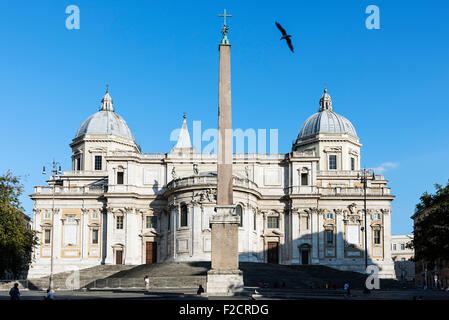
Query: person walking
{"points": [[49, 295], [147, 283], [14, 292], [347, 289]]}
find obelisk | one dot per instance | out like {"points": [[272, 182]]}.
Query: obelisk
{"points": [[224, 278]]}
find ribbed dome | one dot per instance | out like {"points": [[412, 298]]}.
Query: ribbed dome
{"points": [[106, 122], [326, 121]]}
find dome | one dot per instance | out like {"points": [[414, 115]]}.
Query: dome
{"points": [[105, 121], [326, 121]]}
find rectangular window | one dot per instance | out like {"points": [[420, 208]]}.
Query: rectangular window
{"points": [[255, 221], [329, 237], [95, 215], [98, 162], [78, 164], [151, 222], [183, 215], [95, 236], [119, 222], [402, 246], [169, 221], [119, 177], [332, 162], [304, 179], [376, 236], [330, 216], [352, 164], [394, 246], [47, 236], [47, 215], [273, 222]]}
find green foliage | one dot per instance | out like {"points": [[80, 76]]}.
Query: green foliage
{"points": [[431, 232], [429, 200], [16, 240]]}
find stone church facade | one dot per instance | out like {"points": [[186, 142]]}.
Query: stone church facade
{"points": [[121, 206]]}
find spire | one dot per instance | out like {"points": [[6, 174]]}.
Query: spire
{"points": [[106, 102], [225, 29], [184, 136], [325, 101]]}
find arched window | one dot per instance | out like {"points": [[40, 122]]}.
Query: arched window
{"points": [[239, 212], [183, 215]]}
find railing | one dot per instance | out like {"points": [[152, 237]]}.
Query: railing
{"points": [[344, 173], [196, 156], [340, 191], [86, 173], [71, 190], [337, 191], [302, 190], [201, 180]]}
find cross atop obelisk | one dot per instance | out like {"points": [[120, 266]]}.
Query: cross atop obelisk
{"points": [[225, 28]]}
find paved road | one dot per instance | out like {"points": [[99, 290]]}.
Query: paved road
{"points": [[264, 294]]}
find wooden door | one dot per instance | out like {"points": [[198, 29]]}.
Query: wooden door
{"points": [[273, 252], [305, 256], [151, 252], [119, 257]]}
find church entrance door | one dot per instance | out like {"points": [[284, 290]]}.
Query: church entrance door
{"points": [[119, 257], [305, 256], [273, 252], [151, 252]]}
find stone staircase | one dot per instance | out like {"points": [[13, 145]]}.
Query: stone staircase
{"points": [[161, 275], [86, 276], [192, 274]]}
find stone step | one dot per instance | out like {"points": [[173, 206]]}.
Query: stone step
{"points": [[155, 282]]}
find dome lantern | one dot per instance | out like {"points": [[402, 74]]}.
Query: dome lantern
{"points": [[106, 102], [325, 101]]}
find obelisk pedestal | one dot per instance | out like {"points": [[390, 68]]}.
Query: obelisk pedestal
{"points": [[224, 278]]}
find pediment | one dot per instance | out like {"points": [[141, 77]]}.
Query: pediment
{"points": [[150, 233]]}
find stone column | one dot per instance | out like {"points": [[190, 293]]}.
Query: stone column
{"points": [[224, 278], [109, 230], [84, 225]]}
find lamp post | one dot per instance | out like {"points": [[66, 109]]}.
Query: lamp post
{"points": [[55, 173], [364, 177]]}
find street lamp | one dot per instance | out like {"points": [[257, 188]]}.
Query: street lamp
{"points": [[363, 175], [55, 173]]}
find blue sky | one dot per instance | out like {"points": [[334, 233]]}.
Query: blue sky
{"points": [[160, 59]]}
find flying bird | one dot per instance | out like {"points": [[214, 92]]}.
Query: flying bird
{"points": [[285, 36]]}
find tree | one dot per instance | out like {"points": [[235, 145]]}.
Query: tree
{"points": [[431, 231], [16, 239]]}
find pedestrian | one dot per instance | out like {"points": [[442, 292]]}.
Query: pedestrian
{"points": [[14, 292], [200, 290], [49, 295], [347, 289], [147, 283]]}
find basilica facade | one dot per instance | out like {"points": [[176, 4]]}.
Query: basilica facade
{"points": [[119, 205]]}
